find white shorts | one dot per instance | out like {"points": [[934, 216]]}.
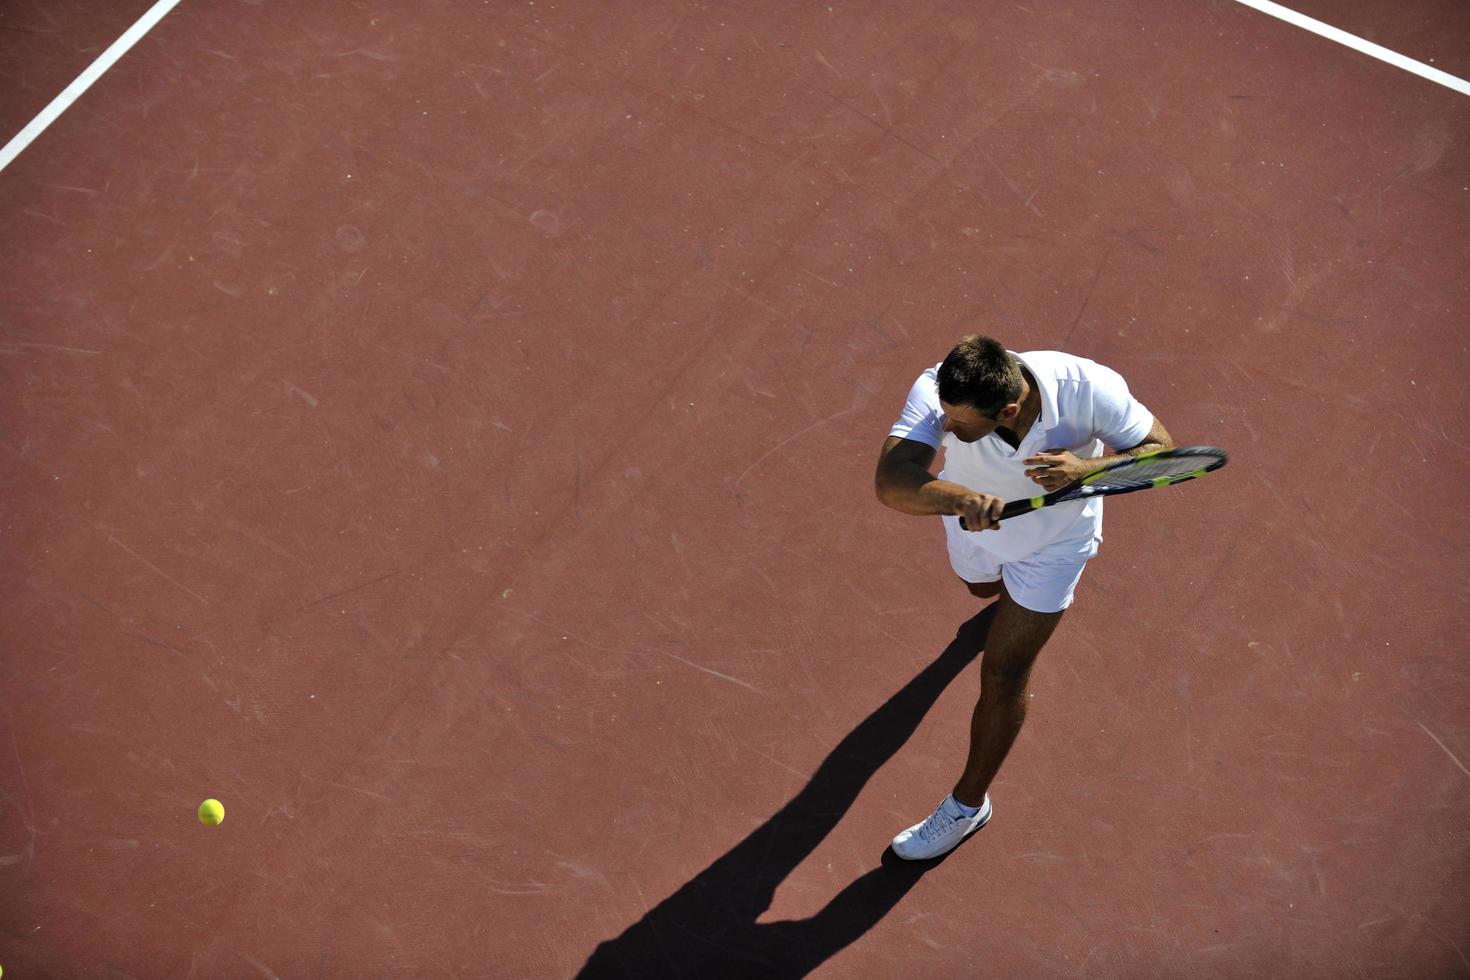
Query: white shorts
{"points": [[1043, 582]]}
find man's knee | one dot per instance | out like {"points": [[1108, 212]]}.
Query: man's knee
{"points": [[1015, 640], [1005, 669]]}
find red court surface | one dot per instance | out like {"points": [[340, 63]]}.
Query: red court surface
{"points": [[444, 433]]}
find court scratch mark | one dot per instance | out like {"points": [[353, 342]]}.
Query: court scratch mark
{"points": [[557, 137], [716, 673], [758, 302], [1026, 202], [652, 922], [259, 538], [64, 350], [518, 888], [889, 131], [581, 871], [1132, 237], [158, 643], [574, 638], [1448, 941], [1447, 751], [577, 489], [336, 595], [887, 112], [1088, 298], [305, 395], [364, 792], [155, 568], [828, 65], [795, 435], [265, 970], [28, 853], [794, 772], [364, 52]]}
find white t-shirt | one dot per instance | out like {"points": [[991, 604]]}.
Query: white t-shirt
{"points": [[1084, 406]]}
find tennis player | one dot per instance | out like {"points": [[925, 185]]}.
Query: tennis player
{"points": [[1007, 423]]}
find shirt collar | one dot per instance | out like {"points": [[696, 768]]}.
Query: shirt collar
{"points": [[1048, 389]]}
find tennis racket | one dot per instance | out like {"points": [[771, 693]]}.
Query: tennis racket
{"points": [[1142, 472]]}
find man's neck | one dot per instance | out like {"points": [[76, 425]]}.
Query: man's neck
{"points": [[1030, 407]]}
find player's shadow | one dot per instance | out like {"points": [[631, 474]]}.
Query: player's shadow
{"points": [[708, 927]]}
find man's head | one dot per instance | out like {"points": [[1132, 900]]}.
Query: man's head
{"points": [[980, 388]]}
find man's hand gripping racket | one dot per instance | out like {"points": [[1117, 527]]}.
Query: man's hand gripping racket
{"points": [[1143, 472]]}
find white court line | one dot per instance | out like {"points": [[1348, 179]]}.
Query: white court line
{"points": [[1358, 44], [156, 13], [84, 81]]}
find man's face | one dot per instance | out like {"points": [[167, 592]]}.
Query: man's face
{"points": [[969, 424]]}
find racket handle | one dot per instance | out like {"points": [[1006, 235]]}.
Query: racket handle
{"points": [[1014, 509]]}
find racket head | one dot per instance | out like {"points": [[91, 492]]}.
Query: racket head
{"points": [[1143, 472], [1147, 471]]}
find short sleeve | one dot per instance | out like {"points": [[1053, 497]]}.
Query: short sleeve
{"points": [[921, 419], [1119, 419]]}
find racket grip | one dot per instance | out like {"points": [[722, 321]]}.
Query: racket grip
{"points": [[1013, 509]]}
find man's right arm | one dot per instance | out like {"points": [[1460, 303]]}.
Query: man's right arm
{"points": [[903, 482]]}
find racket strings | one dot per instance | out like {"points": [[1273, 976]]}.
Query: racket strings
{"points": [[1146, 471]]}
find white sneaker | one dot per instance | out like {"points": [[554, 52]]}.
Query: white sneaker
{"points": [[941, 833]]}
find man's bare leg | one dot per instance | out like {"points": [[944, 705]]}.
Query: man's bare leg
{"points": [[1016, 636]]}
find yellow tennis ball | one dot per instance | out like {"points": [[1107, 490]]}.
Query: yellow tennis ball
{"points": [[211, 812]]}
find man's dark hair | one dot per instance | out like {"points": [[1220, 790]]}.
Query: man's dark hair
{"points": [[980, 373]]}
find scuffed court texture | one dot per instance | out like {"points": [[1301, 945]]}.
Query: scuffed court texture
{"points": [[444, 433]]}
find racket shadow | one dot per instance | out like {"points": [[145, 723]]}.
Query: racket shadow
{"points": [[708, 927]]}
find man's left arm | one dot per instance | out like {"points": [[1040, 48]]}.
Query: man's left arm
{"points": [[1055, 469]]}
